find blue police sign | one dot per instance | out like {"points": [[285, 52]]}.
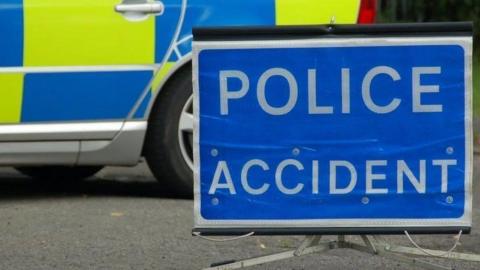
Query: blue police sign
{"points": [[333, 133]]}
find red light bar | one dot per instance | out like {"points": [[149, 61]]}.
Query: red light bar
{"points": [[367, 11]]}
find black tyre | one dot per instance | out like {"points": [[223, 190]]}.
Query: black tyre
{"points": [[60, 173], [168, 144]]}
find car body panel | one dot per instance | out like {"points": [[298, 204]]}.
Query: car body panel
{"points": [[11, 29], [11, 98], [301, 12], [11, 54], [81, 63], [85, 33], [81, 96], [208, 13], [79, 60]]}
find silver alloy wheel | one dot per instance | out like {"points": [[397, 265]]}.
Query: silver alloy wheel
{"points": [[185, 132]]}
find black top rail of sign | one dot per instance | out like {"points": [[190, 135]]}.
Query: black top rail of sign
{"points": [[334, 30]]}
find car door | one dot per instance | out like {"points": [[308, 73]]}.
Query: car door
{"points": [[73, 70]]}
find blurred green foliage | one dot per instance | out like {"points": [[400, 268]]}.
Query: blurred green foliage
{"points": [[476, 81], [429, 11]]}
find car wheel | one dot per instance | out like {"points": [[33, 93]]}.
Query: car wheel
{"points": [[169, 140], [59, 173]]}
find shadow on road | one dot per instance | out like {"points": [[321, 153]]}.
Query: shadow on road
{"points": [[13, 187]]}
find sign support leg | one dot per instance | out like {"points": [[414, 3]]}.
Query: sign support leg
{"points": [[310, 240], [379, 247]]}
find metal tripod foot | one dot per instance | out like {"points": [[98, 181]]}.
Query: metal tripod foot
{"points": [[378, 247]]}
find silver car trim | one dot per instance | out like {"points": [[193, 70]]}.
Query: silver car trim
{"points": [[39, 153], [155, 7], [64, 69], [125, 149], [60, 131]]}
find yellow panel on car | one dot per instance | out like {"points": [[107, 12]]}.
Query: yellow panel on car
{"points": [[11, 101], [161, 75], [298, 12], [84, 32]]}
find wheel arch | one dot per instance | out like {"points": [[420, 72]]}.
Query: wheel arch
{"points": [[180, 65], [177, 68]]}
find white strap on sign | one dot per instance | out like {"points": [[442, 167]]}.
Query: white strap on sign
{"points": [[223, 239], [448, 252]]}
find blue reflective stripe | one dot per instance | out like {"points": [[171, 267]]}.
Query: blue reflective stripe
{"points": [[81, 96], [11, 33]]}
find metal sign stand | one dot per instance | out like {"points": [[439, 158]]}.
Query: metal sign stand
{"points": [[376, 246]]}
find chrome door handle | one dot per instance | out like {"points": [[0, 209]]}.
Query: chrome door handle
{"points": [[156, 8]]}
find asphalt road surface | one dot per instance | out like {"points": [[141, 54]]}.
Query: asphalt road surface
{"points": [[124, 219]]}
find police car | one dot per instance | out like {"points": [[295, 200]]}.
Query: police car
{"points": [[90, 83]]}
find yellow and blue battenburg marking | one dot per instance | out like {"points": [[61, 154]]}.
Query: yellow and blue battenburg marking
{"points": [[11, 55], [88, 34]]}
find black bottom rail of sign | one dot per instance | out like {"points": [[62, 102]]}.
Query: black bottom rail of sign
{"points": [[331, 231]]}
